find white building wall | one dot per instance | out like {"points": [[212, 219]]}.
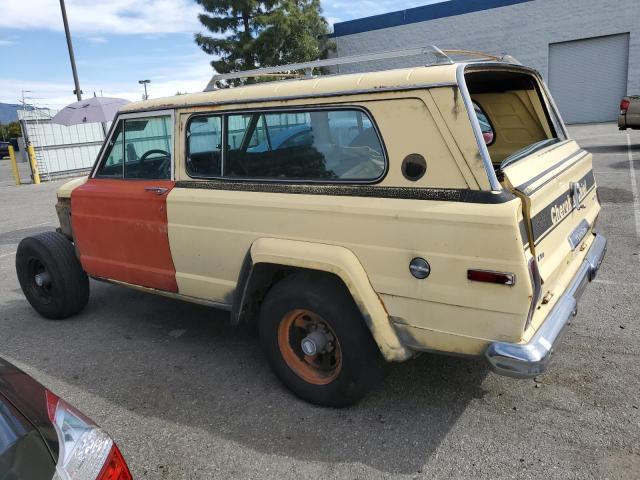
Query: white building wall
{"points": [[523, 30]]}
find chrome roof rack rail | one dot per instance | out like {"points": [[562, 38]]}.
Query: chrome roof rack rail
{"points": [[292, 70], [308, 67], [475, 56]]}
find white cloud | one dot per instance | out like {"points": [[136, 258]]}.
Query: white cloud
{"points": [[97, 39], [6, 42], [165, 82], [95, 17]]}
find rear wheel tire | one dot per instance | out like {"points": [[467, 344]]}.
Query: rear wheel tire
{"points": [[51, 276], [314, 306]]}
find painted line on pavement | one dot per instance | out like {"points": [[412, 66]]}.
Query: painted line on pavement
{"points": [[634, 187], [613, 282], [38, 225]]}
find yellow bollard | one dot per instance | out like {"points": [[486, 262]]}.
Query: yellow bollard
{"points": [[34, 165], [14, 165]]}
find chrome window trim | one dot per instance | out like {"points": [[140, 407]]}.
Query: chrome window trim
{"points": [[299, 109], [125, 116], [477, 131]]}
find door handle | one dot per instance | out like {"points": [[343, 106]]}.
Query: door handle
{"points": [[156, 190]]}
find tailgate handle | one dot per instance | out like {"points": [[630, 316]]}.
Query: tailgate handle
{"points": [[574, 191], [156, 190]]}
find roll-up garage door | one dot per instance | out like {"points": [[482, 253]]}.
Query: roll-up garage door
{"points": [[588, 77]]}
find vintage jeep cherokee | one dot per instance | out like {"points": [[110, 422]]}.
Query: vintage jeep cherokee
{"points": [[355, 218]]}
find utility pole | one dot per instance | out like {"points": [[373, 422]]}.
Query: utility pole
{"points": [[144, 82], [72, 58]]}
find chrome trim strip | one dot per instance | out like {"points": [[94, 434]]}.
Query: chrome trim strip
{"points": [[477, 131], [526, 360]]}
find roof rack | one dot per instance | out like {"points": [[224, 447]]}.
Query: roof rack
{"points": [[442, 57]]}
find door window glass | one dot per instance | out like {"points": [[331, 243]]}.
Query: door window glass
{"points": [[147, 148], [112, 167], [204, 145]]}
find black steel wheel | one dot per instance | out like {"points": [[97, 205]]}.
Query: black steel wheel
{"points": [[51, 276]]}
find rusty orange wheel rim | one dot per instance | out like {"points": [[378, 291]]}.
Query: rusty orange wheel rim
{"points": [[319, 369]]}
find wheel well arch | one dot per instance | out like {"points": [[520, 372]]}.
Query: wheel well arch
{"points": [[269, 260]]}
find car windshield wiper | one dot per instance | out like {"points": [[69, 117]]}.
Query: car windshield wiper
{"points": [[526, 151]]}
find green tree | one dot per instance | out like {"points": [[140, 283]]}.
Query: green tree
{"points": [[10, 130], [235, 24], [296, 31], [248, 34]]}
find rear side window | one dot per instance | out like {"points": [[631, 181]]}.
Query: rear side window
{"points": [[204, 146], [318, 145]]}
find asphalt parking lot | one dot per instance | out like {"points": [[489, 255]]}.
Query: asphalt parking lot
{"points": [[187, 396]]}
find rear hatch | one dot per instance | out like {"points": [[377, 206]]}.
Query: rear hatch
{"points": [[555, 181]]}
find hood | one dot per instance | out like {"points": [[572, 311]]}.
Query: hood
{"points": [[65, 190]]}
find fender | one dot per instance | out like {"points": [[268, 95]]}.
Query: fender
{"points": [[343, 263]]}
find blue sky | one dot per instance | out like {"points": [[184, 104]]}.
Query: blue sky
{"points": [[116, 44]]}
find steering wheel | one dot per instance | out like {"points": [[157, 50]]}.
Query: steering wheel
{"points": [[164, 166], [148, 153]]}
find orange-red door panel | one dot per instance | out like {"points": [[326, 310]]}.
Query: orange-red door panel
{"points": [[120, 229]]}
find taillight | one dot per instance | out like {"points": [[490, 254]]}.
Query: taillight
{"points": [[501, 278], [115, 468], [86, 451], [624, 105]]}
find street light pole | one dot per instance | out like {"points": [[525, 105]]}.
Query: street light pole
{"points": [[144, 82], [72, 58]]}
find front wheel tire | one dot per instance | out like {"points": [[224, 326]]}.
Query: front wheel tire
{"points": [[51, 276], [317, 342]]}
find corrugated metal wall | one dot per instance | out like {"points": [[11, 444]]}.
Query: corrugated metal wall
{"points": [[60, 150], [588, 77]]}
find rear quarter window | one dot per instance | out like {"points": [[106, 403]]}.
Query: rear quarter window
{"points": [[341, 145]]}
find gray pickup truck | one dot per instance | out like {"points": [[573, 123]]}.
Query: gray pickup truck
{"points": [[629, 113]]}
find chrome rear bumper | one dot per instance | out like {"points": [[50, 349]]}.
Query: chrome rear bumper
{"points": [[525, 360]]}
